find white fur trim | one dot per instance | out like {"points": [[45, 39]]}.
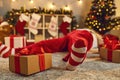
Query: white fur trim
{"points": [[95, 41], [36, 16], [70, 67], [52, 29], [1, 47], [67, 19], [13, 51], [75, 58], [24, 17], [79, 50], [4, 23], [5, 51]]}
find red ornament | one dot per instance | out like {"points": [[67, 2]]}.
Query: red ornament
{"points": [[107, 17], [102, 3]]}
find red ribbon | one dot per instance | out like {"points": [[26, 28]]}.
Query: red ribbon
{"points": [[17, 64], [109, 55], [42, 62], [12, 41]]}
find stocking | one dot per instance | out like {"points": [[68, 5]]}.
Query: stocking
{"points": [[63, 26], [33, 23], [52, 29], [23, 19]]}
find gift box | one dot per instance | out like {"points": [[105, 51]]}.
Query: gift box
{"points": [[30, 64], [15, 41], [110, 55], [115, 32]]}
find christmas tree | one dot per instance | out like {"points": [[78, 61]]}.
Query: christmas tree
{"points": [[101, 16]]}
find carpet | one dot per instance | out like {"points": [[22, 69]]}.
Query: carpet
{"points": [[93, 68]]}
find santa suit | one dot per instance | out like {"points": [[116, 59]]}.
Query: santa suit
{"points": [[77, 43]]}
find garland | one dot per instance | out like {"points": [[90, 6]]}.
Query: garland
{"points": [[12, 16]]}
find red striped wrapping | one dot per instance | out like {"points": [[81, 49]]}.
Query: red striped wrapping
{"points": [[15, 41]]}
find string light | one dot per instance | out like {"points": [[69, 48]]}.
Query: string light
{"points": [[13, 0], [52, 6], [31, 1], [80, 1], [67, 7]]}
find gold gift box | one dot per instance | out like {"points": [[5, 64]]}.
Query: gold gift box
{"points": [[30, 64]]}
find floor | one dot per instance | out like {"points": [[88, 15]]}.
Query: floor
{"points": [[93, 68]]}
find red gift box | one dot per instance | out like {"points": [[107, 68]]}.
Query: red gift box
{"points": [[30, 64]]}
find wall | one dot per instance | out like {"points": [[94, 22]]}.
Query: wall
{"points": [[117, 3], [79, 10], [4, 6]]}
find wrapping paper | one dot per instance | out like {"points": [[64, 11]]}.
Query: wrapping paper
{"points": [[30, 64], [15, 41], [110, 55]]}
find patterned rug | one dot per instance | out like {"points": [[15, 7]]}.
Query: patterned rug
{"points": [[93, 68]]}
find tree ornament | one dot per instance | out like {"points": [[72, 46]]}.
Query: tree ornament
{"points": [[107, 17], [102, 12]]}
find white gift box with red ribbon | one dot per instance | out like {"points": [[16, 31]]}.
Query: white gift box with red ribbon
{"points": [[15, 41]]}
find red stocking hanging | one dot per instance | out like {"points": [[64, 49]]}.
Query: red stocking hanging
{"points": [[63, 26], [19, 27]]}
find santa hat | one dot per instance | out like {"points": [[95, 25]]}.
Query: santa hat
{"points": [[52, 29], [67, 19], [86, 33], [95, 36]]}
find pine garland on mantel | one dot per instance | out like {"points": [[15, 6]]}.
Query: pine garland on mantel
{"points": [[12, 16]]}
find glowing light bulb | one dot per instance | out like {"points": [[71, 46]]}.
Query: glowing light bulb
{"points": [[80, 1], [13, 0], [67, 7], [100, 29], [52, 5], [31, 1]]}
